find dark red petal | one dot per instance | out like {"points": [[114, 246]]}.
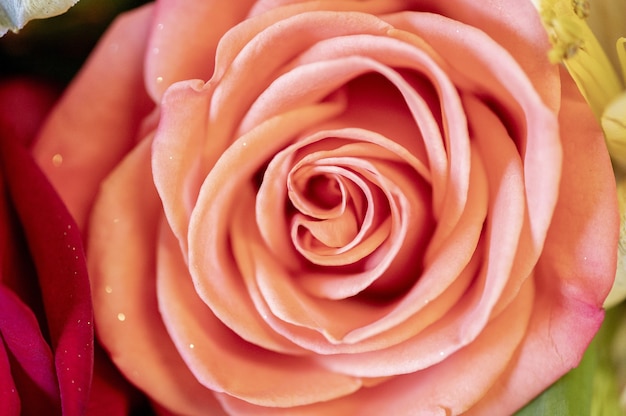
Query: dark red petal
{"points": [[56, 247], [29, 357], [111, 394], [24, 103], [9, 399]]}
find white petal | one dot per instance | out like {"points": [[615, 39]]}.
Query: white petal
{"points": [[14, 14]]}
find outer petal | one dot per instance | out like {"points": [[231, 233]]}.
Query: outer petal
{"points": [[56, 247], [480, 72], [184, 39], [444, 389], [24, 104], [180, 139], [9, 398], [513, 24], [200, 337], [33, 368], [576, 269], [97, 120], [121, 253]]}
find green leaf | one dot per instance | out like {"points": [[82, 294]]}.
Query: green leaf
{"points": [[592, 388]]}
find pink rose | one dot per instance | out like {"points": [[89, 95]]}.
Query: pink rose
{"points": [[336, 207]]}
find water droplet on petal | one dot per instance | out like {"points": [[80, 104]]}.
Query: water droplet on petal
{"points": [[57, 160]]}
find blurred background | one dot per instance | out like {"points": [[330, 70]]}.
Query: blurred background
{"points": [[54, 49]]}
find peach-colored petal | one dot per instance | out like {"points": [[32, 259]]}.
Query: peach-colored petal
{"points": [[178, 142], [371, 102], [588, 194], [224, 362], [404, 318], [577, 266], [208, 253], [98, 119], [356, 313], [392, 191], [491, 72], [121, 256], [507, 223], [236, 90], [559, 332], [368, 321], [515, 26], [374, 7], [450, 387], [369, 51], [184, 38], [263, 15]]}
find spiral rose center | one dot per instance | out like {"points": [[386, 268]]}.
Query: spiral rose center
{"points": [[334, 224], [339, 212]]}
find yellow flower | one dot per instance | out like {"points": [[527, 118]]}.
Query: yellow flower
{"points": [[601, 79]]}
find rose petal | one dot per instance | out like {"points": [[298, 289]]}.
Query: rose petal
{"points": [[179, 28], [350, 53], [10, 404], [81, 143], [373, 320], [111, 393], [31, 359], [516, 27], [24, 104], [410, 212], [374, 7], [200, 337], [180, 139], [447, 388], [489, 69], [234, 84], [577, 266], [121, 254], [206, 247], [56, 246]]}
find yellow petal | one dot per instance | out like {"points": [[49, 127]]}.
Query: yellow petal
{"points": [[607, 20], [618, 292], [576, 46], [614, 126], [620, 48]]}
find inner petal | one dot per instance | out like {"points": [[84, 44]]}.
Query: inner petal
{"points": [[323, 239], [332, 233], [325, 190]]}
